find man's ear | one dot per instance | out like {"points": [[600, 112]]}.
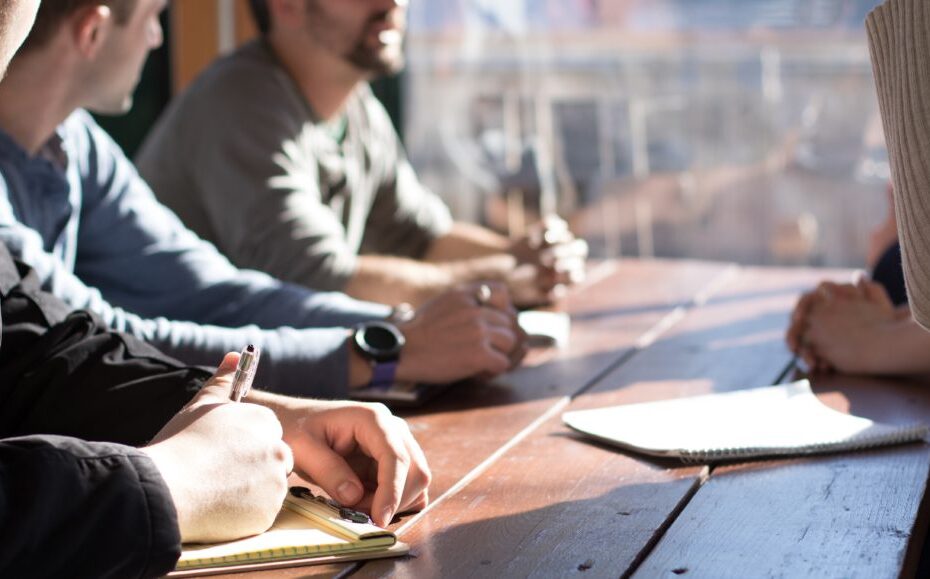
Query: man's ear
{"points": [[89, 28], [287, 13]]}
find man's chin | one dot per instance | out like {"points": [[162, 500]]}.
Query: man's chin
{"points": [[377, 65], [380, 69]]}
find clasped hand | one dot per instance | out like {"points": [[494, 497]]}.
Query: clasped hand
{"points": [[549, 259], [837, 326]]}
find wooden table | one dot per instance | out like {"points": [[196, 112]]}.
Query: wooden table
{"points": [[516, 494]]}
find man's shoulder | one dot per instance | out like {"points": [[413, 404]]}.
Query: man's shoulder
{"points": [[249, 70], [249, 83]]}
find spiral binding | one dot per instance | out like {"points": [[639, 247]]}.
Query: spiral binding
{"points": [[911, 433]]}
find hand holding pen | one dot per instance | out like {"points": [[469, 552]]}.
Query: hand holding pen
{"points": [[245, 373], [214, 443]]}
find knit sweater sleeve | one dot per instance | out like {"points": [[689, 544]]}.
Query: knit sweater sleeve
{"points": [[899, 40]]}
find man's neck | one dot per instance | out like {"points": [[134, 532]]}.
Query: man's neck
{"points": [[33, 102], [325, 82]]}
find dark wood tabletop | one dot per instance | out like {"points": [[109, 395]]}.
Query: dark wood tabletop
{"points": [[516, 494]]}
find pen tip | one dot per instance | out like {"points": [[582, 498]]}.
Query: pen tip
{"points": [[250, 348]]}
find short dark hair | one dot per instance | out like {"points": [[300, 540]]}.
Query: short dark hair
{"points": [[53, 13], [261, 15]]}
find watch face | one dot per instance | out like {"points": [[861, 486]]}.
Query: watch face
{"points": [[380, 341]]}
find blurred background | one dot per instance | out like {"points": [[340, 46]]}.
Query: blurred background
{"points": [[742, 130]]}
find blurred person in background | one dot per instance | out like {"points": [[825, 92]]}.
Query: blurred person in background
{"points": [[281, 156]]}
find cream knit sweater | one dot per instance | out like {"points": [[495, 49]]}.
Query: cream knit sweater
{"points": [[899, 39]]}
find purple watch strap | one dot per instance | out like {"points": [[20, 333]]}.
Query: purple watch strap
{"points": [[383, 374]]}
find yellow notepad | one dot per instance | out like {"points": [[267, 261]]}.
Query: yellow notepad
{"points": [[306, 532]]}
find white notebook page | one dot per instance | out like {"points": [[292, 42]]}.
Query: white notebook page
{"points": [[775, 420]]}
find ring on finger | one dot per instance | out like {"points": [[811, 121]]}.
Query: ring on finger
{"points": [[483, 295]]}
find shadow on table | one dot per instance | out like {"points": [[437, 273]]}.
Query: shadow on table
{"points": [[601, 537]]}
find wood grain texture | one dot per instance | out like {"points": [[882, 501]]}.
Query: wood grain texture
{"points": [[467, 424], [836, 516], [849, 515], [556, 505]]}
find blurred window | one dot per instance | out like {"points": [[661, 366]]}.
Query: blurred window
{"points": [[742, 130]]}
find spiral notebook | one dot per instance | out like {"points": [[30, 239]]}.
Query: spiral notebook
{"points": [[308, 531], [784, 420]]}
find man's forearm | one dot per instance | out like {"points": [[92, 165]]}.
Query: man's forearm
{"points": [[394, 280], [467, 241]]}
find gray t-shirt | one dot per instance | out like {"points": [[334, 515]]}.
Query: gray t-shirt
{"points": [[245, 162]]}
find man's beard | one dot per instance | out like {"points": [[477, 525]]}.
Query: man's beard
{"points": [[382, 62]]}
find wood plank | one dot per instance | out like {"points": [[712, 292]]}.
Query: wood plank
{"points": [[466, 425], [557, 505], [849, 515]]}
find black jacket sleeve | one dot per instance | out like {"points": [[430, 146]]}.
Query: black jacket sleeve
{"points": [[66, 373], [71, 508]]}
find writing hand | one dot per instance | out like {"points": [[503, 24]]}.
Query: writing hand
{"points": [[224, 463]]}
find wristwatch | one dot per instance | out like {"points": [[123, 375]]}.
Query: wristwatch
{"points": [[380, 343]]}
